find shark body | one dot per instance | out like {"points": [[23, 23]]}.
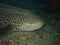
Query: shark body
{"points": [[20, 19]]}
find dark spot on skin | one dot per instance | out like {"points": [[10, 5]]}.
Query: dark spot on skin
{"points": [[0, 19], [18, 25], [58, 31], [14, 21], [4, 22], [56, 43], [17, 21], [14, 18], [0, 23], [50, 32], [7, 19]]}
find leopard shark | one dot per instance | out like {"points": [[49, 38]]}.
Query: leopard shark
{"points": [[20, 19]]}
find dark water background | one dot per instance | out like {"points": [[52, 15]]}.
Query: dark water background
{"points": [[35, 6]]}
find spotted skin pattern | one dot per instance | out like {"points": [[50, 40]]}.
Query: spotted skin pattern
{"points": [[20, 19]]}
